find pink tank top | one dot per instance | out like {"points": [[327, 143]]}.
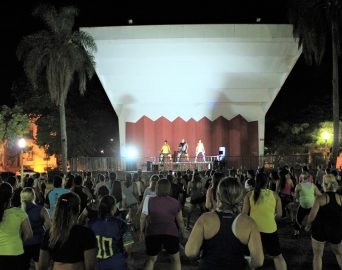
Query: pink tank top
{"points": [[287, 189]]}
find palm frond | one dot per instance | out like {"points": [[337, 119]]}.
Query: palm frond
{"points": [[85, 40], [312, 23]]}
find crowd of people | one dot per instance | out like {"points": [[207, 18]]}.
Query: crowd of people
{"points": [[89, 222]]}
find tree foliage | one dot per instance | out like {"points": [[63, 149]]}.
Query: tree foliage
{"points": [[290, 139], [315, 24], [13, 125], [59, 52], [91, 124]]}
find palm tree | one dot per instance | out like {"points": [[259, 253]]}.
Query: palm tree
{"points": [[59, 53], [315, 23]]}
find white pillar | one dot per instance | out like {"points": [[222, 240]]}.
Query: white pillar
{"points": [[122, 137], [261, 135]]}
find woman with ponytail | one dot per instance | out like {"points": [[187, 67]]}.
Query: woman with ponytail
{"points": [[225, 234], [14, 229], [39, 220], [113, 236], [69, 245], [264, 205]]}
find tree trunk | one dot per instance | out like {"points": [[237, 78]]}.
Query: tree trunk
{"points": [[64, 141], [336, 103]]}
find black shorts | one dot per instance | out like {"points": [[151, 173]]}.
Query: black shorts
{"points": [[330, 235], [183, 152], [13, 262], [198, 200], [155, 243], [32, 251], [270, 242]]}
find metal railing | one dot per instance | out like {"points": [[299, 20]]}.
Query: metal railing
{"points": [[227, 162]]}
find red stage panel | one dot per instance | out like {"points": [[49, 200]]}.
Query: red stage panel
{"points": [[203, 132], [239, 137], [220, 135], [253, 138], [191, 137]]}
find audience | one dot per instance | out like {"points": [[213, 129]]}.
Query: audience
{"points": [[224, 234], [113, 235], [325, 217], [223, 237], [158, 227], [40, 222], [70, 246], [14, 229], [261, 204]]}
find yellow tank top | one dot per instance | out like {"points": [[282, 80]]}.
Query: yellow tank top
{"points": [[263, 211], [165, 148]]}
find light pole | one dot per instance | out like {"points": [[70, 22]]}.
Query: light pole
{"points": [[22, 144], [326, 136]]}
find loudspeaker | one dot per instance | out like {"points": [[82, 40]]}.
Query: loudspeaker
{"points": [[148, 166]]}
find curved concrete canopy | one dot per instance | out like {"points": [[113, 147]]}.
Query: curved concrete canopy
{"points": [[192, 71]]}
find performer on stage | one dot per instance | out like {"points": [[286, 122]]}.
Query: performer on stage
{"points": [[183, 150], [200, 149], [165, 151]]}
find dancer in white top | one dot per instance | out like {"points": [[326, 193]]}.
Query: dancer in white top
{"points": [[200, 149]]}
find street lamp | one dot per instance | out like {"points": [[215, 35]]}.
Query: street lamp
{"points": [[326, 136], [22, 144]]}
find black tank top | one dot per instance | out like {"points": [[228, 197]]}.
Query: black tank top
{"points": [[224, 250], [83, 197], [329, 215]]}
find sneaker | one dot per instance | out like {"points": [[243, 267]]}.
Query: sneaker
{"points": [[295, 236]]}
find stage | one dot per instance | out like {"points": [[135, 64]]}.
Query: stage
{"points": [[182, 165]]}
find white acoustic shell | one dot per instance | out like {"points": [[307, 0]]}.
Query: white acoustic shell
{"points": [[192, 71]]}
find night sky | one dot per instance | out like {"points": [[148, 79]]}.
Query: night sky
{"points": [[303, 84]]}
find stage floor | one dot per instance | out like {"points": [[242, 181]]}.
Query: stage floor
{"points": [[180, 166]]}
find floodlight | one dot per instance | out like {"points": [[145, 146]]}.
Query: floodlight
{"points": [[130, 153]]}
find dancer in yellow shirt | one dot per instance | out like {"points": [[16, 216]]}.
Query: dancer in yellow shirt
{"points": [[165, 151]]}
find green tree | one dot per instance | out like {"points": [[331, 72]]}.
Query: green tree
{"points": [[91, 124], [13, 125], [315, 22], [59, 52], [290, 139]]}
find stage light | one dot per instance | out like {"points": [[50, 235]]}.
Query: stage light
{"points": [[258, 19], [130, 153]]}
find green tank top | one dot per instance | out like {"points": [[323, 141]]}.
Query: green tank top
{"points": [[307, 195]]}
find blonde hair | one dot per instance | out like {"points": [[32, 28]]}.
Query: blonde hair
{"points": [[305, 175], [27, 196], [230, 195], [330, 183]]}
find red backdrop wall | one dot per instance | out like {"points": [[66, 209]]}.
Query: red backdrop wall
{"points": [[238, 136]]}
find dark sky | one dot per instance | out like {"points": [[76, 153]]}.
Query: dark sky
{"points": [[16, 21]]}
